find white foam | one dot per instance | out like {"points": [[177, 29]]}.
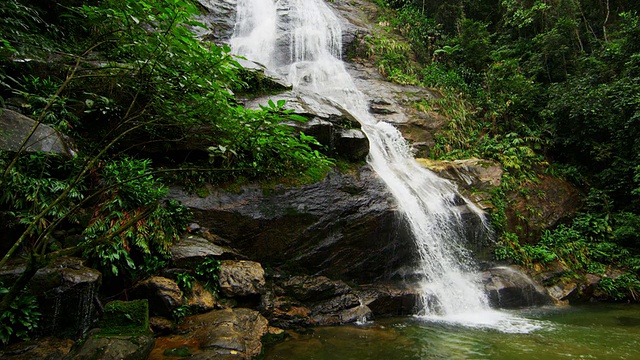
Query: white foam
{"points": [[489, 320]]}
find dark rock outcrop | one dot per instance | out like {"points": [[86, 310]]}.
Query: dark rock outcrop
{"points": [[344, 227]]}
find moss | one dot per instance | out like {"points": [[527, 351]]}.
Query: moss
{"points": [[180, 351], [258, 84], [202, 192], [125, 318]]}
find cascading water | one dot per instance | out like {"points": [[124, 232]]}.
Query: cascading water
{"points": [[301, 40]]}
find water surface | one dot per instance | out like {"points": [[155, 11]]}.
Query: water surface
{"points": [[578, 332]]}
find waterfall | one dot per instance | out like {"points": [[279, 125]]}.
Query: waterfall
{"points": [[301, 40]]}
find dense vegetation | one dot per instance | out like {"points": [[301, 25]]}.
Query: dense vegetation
{"points": [[147, 104], [530, 83]]}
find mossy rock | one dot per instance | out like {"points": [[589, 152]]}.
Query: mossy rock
{"points": [[125, 318]]}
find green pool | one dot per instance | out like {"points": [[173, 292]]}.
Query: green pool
{"points": [[576, 332]]}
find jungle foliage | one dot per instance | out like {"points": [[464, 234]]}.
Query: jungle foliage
{"points": [[531, 83], [139, 94]]}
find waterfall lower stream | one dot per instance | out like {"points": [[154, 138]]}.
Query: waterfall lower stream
{"points": [[301, 40]]}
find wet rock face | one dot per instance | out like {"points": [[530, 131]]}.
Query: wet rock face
{"points": [[344, 227], [475, 177], [218, 17], [353, 17]]}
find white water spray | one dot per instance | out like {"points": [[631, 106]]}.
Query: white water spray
{"points": [[301, 40]]}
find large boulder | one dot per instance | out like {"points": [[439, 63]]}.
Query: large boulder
{"points": [[163, 294], [241, 278], [345, 227], [510, 287], [191, 250], [314, 288], [15, 128], [220, 334], [199, 299], [390, 299], [302, 301], [113, 347]]}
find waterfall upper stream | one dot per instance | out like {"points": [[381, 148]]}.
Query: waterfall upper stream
{"points": [[301, 40]]}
